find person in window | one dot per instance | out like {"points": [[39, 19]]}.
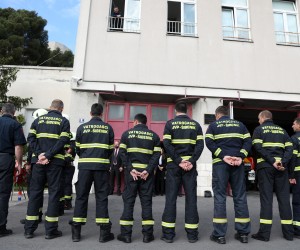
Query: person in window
{"points": [[116, 19]]}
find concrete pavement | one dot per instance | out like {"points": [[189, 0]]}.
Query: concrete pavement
{"points": [[90, 232]]}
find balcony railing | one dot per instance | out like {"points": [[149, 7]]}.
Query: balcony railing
{"points": [[287, 38], [123, 24], [236, 33], [181, 28]]}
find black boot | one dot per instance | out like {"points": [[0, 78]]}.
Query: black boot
{"points": [[76, 231], [105, 234], [4, 231]]}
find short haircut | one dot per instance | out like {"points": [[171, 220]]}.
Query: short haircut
{"points": [[141, 118], [57, 104], [266, 114], [222, 110], [96, 109], [181, 107], [297, 120], [8, 108]]}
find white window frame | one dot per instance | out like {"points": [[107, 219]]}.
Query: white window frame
{"points": [[127, 20], [236, 7], [285, 13], [182, 2]]}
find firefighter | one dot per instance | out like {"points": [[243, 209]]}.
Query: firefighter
{"points": [[69, 172], [295, 177], [47, 137], [12, 141], [229, 141], [274, 150], [140, 151], [94, 145], [183, 142], [29, 165]]}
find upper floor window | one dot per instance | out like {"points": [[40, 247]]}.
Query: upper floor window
{"points": [[125, 15], [286, 22], [182, 18], [235, 20]]}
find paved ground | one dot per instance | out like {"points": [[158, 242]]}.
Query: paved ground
{"points": [[90, 232]]}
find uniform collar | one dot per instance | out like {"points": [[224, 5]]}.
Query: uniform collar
{"points": [[182, 116], [96, 118], [224, 117], [267, 121], [8, 115], [55, 111], [140, 126]]}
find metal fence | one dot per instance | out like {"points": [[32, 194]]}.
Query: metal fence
{"points": [[181, 28], [290, 38], [239, 33], [123, 24]]}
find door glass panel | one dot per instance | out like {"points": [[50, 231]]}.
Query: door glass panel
{"points": [[132, 15], [279, 27], [136, 110], [116, 112], [234, 3], [283, 5], [189, 19], [227, 21], [160, 113]]}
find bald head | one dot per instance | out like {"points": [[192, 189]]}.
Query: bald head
{"points": [[264, 115], [57, 105]]}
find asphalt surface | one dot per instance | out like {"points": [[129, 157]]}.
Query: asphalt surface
{"points": [[90, 232]]}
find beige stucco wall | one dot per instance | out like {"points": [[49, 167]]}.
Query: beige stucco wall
{"points": [[152, 57]]}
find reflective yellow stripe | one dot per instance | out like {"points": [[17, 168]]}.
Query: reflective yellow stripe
{"points": [[61, 198], [242, 220], [199, 137], [46, 135], [157, 149], [220, 220], [182, 157], [259, 160], [167, 137], [112, 146], [148, 222], [273, 144], [67, 145], [77, 219], [59, 156], [247, 135], [77, 144], [287, 222], [167, 224], [51, 219], [295, 152], [191, 226], [68, 155], [296, 223], [183, 141], [122, 145], [139, 165], [140, 150], [218, 151], [244, 152], [67, 197], [32, 217], [297, 168], [229, 135], [277, 158], [263, 221], [64, 134], [126, 222], [216, 160], [255, 141], [32, 131], [102, 220], [211, 136], [288, 144], [94, 145], [94, 160]]}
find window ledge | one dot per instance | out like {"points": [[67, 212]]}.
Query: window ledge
{"points": [[238, 40], [289, 44], [126, 32], [179, 35]]}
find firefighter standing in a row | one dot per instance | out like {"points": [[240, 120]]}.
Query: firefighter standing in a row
{"points": [[140, 151], [229, 141], [183, 141], [47, 137], [274, 150], [295, 177], [94, 145]]}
